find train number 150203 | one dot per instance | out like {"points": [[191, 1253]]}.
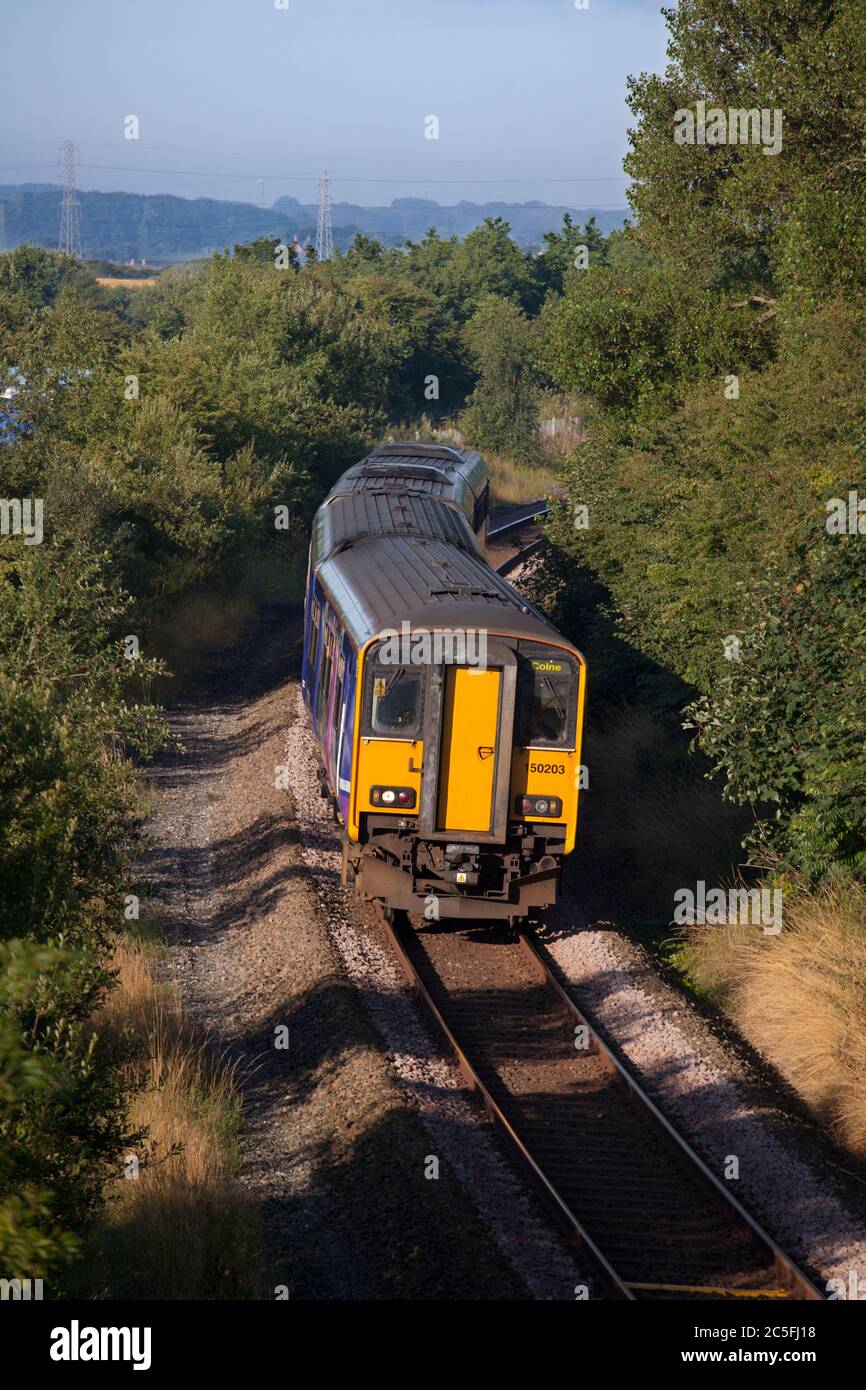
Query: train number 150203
{"points": [[547, 767]]}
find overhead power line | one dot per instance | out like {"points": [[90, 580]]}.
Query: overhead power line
{"points": [[287, 177], [260, 154]]}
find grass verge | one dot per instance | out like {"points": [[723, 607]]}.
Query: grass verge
{"points": [[511, 482], [182, 1228], [800, 997]]}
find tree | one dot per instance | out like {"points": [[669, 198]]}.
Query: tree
{"points": [[67, 827], [264, 250], [37, 277], [688, 504], [502, 411], [427, 343], [634, 335], [32, 1245], [729, 211], [486, 262], [364, 253], [283, 362], [564, 252], [785, 723]]}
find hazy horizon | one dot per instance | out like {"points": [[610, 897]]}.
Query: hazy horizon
{"points": [[311, 201], [249, 104]]}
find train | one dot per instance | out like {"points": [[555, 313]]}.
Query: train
{"points": [[446, 711]]}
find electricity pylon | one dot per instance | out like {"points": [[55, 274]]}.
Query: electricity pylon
{"points": [[69, 241], [324, 229]]}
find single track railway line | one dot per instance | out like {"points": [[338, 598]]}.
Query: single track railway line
{"points": [[653, 1219]]}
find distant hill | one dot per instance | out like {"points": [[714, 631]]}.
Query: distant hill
{"points": [[411, 217], [164, 229]]}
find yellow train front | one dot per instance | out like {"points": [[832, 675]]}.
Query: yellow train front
{"points": [[447, 714]]}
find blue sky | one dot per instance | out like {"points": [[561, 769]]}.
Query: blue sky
{"points": [[530, 96]]}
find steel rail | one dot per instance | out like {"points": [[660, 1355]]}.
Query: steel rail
{"points": [[795, 1284], [791, 1276], [541, 509], [573, 1228]]}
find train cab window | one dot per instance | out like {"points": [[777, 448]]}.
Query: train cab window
{"points": [[394, 701], [546, 699]]}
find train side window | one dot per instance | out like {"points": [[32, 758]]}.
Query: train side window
{"points": [[546, 700], [341, 674], [394, 701], [482, 507], [325, 672], [315, 625]]}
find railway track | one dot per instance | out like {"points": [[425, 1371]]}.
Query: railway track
{"points": [[532, 512], [653, 1219], [512, 541]]}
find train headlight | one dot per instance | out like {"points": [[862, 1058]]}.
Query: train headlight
{"points": [[404, 797], [539, 806]]}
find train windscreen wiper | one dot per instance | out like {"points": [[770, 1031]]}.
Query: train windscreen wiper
{"points": [[558, 704]]}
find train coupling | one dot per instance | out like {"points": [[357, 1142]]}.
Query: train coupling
{"points": [[463, 868]]}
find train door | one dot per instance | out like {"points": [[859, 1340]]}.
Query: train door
{"points": [[467, 766], [467, 748]]}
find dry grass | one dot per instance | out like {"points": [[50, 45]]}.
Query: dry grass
{"points": [[509, 482], [183, 1229], [800, 997], [128, 282]]}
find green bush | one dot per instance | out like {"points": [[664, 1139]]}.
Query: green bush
{"points": [[719, 355], [785, 724], [67, 830], [32, 1245], [634, 336]]}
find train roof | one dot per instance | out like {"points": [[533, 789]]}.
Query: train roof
{"points": [[360, 515], [376, 584], [436, 470]]}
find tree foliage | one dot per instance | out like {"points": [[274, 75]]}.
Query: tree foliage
{"points": [[785, 723], [159, 455], [718, 354], [502, 412]]}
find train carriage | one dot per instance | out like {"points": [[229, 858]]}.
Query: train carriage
{"points": [[456, 478], [447, 713]]}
